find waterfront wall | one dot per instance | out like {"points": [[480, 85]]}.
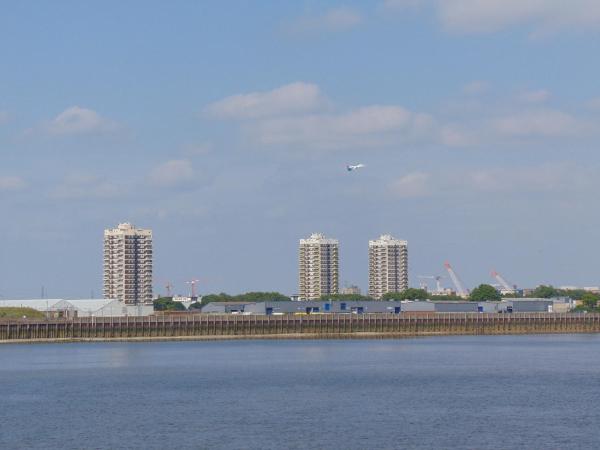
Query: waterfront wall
{"points": [[199, 326]]}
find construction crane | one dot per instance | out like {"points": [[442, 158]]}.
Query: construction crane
{"points": [[438, 284], [460, 290], [507, 287], [192, 284], [168, 287], [422, 283]]}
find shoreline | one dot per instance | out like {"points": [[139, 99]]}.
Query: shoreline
{"points": [[284, 337], [223, 327]]}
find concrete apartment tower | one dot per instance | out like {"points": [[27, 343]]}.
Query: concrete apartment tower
{"points": [[318, 267], [128, 264], [388, 266]]}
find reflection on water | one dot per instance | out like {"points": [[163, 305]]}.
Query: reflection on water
{"points": [[480, 392]]}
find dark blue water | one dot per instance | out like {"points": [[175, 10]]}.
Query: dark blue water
{"points": [[494, 392]]}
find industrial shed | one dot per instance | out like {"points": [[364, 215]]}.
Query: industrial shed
{"points": [[226, 307], [318, 307], [453, 307], [386, 307], [526, 305], [418, 306], [80, 307]]}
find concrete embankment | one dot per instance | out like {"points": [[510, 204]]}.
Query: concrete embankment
{"points": [[334, 326]]}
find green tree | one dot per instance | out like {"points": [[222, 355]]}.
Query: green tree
{"points": [[167, 304], [516, 294], [485, 292], [407, 294], [589, 300], [544, 291], [261, 297], [249, 297], [211, 298], [575, 294]]}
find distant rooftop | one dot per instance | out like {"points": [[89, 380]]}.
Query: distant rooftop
{"points": [[318, 238], [387, 239]]}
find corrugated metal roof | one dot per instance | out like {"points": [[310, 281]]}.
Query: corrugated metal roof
{"points": [[57, 304], [91, 304]]}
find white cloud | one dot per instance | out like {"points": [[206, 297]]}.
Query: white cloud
{"points": [[76, 120], [490, 127], [277, 118], [538, 122], [538, 96], [476, 87], [79, 185], [416, 184], [292, 98], [548, 178], [456, 136], [367, 126], [11, 183], [4, 117], [593, 104], [487, 16], [172, 173], [333, 20]]}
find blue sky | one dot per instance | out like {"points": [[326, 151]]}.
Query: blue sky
{"points": [[225, 127]]}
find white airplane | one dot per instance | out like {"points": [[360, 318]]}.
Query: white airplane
{"points": [[351, 168]]}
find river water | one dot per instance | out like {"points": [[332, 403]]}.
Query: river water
{"points": [[479, 392]]}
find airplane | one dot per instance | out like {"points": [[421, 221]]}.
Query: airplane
{"points": [[351, 168]]}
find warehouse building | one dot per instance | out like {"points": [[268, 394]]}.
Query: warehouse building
{"points": [[58, 308], [225, 307], [317, 307], [517, 305], [506, 306]]}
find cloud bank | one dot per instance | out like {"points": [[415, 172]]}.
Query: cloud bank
{"points": [[489, 16], [292, 98], [11, 183], [299, 115], [76, 120], [334, 20]]}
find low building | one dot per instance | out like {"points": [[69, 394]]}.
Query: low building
{"points": [[418, 306], [424, 306], [58, 308], [350, 290], [592, 289], [456, 307], [186, 301], [319, 307], [225, 307], [517, 305], [488, 307], [389, 307]]}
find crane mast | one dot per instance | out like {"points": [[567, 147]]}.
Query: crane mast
{"points": [[192, 284], [168, 287], [436, 278], [460, 290], [507, 287]]}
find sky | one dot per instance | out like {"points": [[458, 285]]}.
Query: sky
{"points": [[226, 126]]}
